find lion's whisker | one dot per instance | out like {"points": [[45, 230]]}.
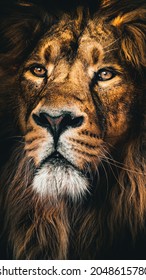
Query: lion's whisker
{"points": [[112, 43]]}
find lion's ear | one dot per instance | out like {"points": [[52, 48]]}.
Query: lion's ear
{"points": [[132, 29]]}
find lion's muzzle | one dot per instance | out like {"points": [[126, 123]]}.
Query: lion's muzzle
{"points": [[57, 124]]}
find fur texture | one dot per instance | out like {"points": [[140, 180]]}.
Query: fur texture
{"points": [[73, 131]]}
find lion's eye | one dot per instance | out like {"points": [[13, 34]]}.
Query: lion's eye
{"points": [[38, 70], [105, 75]]}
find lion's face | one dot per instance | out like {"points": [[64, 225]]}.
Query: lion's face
{"points": [[76, 98]]}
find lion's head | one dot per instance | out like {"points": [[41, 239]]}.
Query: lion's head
{"points": [[72, 98]]}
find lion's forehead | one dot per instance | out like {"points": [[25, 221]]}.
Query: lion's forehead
{"points": [[90, 43]]}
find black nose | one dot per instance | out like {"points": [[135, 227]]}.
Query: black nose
{"points": [[58, 124]]}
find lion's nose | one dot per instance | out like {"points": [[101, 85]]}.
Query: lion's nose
{"points": [[58, 124]]}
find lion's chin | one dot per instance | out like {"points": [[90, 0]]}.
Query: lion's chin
{"points": [[59, 180]]}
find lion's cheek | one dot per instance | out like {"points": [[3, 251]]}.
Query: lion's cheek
{"points": [[117, 126]]}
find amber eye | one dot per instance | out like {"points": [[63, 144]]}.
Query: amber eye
{"points": [[105, 74], [38, 70]]}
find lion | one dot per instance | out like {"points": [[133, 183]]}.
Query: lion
{"points": [[73, 131]]}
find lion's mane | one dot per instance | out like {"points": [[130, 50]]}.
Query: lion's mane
{"points": [[110, 223]]}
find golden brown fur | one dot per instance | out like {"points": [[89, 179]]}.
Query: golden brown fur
{"points": [[97, 208]]}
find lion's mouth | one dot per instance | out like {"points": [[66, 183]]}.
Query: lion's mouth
{"points": [[56, 159], [57, 177]]}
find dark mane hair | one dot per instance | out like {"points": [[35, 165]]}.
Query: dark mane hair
{"points": [[117, 214]]}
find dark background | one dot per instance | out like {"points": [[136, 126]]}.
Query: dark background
{"points": [[7, 5]]}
